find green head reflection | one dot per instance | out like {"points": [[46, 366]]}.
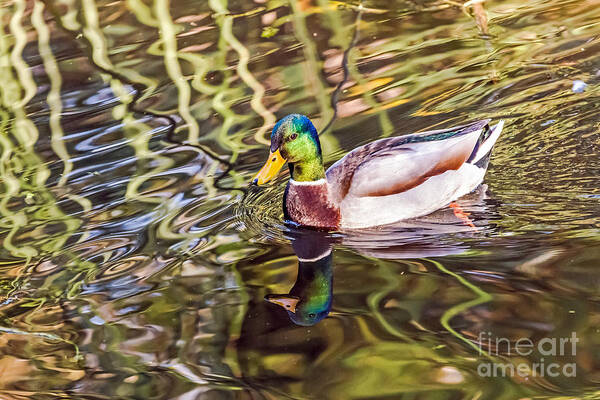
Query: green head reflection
{"points": [[309, 300]]}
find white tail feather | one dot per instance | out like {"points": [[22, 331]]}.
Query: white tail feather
{"points": [[486, 146]]}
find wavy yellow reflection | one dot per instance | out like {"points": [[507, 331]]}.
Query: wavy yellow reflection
{"points": [[54, 100], [21, 67], [220, 101], [30, 182], [137, 133], [167, 33], [312, 71], [242, 68], [366, 87]]}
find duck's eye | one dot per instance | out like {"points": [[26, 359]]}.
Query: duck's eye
{"points": [[293, 136], [312, 315]]}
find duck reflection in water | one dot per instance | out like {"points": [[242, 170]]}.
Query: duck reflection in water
{"points": [[435, 235], [309, 300]]}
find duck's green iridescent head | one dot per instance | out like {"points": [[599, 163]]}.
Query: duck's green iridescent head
{"points": [[294, 140]]}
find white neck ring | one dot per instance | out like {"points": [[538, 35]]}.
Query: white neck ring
{"points": [[309, 183], [319, 257]]}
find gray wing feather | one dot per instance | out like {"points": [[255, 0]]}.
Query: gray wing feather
{"points": [[343, 171]]}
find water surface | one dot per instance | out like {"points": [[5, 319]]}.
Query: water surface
{"points": [[135, 259]]}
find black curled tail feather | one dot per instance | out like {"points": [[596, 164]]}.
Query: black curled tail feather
{"points": [[485, 134]]}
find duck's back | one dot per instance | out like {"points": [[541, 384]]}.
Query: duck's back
{"points": [[409, 176]]}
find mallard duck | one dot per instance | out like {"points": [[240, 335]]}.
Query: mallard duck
{"points": [[382, 182], [309, 300]]}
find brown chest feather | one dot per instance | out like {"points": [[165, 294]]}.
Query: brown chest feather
{"points": [[310, 205]]}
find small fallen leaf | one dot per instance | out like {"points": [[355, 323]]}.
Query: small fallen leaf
{"points": [[269, 31]]}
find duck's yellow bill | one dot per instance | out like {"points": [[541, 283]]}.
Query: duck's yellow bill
{"points": [[286, 301], [270, 169]]}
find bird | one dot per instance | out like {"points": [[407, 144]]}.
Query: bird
{"points": [[381, 182], [309, 300]]}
